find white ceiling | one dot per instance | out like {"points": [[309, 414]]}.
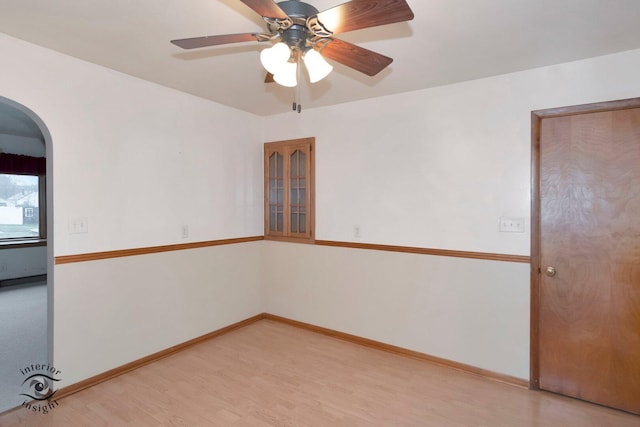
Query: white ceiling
{"points": [[448, 41]]}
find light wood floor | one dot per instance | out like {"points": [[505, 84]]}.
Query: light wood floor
{"points": [[272, 374]]}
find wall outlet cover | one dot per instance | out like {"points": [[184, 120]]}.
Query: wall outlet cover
{"points": [[509, 224]]}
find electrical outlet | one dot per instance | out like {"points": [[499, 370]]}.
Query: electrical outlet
{"points": [[511, 224], [184, 231], [356, 231]]}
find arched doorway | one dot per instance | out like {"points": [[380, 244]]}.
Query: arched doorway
{"points": [[26, 248]]}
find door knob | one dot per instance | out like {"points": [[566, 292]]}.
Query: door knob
{"points": [[550, 271]]}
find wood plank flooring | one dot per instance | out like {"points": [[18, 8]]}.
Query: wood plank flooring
{"points": [[272, 374]]}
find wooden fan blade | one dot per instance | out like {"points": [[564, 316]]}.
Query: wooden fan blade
{"points": [[205, 41], [266, 8], [269, 78], [358, 14], [356, 57]]}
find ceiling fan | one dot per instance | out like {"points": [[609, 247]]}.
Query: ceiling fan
{"points": [[302, 32]]}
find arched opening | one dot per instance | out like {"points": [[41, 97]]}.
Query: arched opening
{"points": [[26, 248]]}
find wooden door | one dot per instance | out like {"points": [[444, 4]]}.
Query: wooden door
{"points": [[589, 257]]}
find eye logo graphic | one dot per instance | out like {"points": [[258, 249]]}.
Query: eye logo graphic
{"points": [[40, 387]]}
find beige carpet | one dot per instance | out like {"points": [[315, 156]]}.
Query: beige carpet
{"points": [[23, 337]]}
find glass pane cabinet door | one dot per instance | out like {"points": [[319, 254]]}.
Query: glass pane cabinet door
{"points": [[288, 190], [276, 192], [298, 192]]}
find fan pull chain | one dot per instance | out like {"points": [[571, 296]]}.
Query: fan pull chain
{"points": [[296, 103]]}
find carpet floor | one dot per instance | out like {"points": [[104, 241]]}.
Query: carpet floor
{"points": [[23, 337]]}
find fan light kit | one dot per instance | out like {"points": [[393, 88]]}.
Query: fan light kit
{"points": [[282, 62], [302, 34]]}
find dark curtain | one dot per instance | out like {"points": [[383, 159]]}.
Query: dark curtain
{"points": [[16, 164]]}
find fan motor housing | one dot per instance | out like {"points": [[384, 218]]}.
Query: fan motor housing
{"points": [[298, 11]]}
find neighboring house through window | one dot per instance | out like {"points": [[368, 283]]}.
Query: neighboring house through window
{"points": [[21, 207]]}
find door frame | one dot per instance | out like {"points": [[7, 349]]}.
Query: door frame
{"points": [[49, 234], [536, 268]]}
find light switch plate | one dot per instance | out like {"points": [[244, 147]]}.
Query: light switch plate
{"points": [[79, 226], [509, 224]]}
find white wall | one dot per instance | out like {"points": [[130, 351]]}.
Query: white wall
{"points": [[111, 312], [139, 161], [438, 167], [434, 168], [467, 310]]}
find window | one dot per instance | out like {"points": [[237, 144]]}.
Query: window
{"points": [[21, 207], [289, 190]]}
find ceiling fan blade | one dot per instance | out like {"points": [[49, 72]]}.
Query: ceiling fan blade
{"points": [[266, 8], [269, 78], [205, 41], [356, 57], [358, 14]]}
